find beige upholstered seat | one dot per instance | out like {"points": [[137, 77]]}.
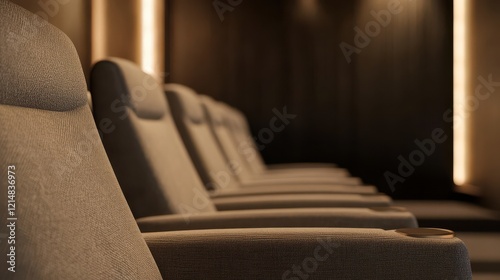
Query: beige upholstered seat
{"points": [[158, 177], [72, 221], [220, 174]]}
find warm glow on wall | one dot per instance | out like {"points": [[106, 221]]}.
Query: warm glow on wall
{"points": [[152, 37], [307, 9], [99, 35], [130, 29], [460, 90], [309, 6], [148, 38]]}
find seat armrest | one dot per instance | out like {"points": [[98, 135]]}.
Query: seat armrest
{"points": [[290, 180], [300, 201], [294, 189], [386, 218], [302, 253]]}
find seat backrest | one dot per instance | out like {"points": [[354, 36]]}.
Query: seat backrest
{"points": [[218, 123], [214, 169], [237, 125], [68, 217], [144, 147]]}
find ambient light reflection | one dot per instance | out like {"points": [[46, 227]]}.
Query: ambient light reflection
{"points": [[460, 89], [98, 30], [148, 40]]}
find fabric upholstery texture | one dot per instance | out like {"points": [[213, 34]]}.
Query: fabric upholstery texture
{"points": [[72, 219], [316, 253], [73, 222], [147, 154], [26, 70]]}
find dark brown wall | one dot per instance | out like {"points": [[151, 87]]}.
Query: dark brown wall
{"points": [[485, 117], [404, 85], [362, 114]]}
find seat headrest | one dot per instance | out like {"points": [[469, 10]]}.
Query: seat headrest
{"points": [[44, 70], [229, 115], [137, 90], [187, 101], [212, 109]]}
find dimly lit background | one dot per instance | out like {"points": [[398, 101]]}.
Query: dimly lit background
{"points": [[362, 115]]}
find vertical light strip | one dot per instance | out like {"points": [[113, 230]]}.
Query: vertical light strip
{"points": [[99, 37], [460, 89], [148, 34]]}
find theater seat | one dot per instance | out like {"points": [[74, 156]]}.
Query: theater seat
{"points": [[72, 221], [158, 177], [191, 118], [215, 170], [218, 123], [222, 121]]}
